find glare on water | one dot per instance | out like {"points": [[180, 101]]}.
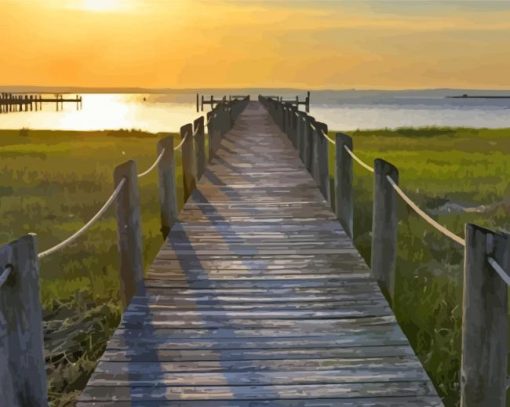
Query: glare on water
{"points": [[155, 113], [341, 110]]}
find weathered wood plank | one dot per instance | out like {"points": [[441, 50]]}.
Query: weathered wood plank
{"points": [[22, 366], [359, 374], [129, 231], [413, 401], [258, 296], [398, 362], [226, 392]]}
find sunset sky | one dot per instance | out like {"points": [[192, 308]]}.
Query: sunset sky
{"points": [[242, 43]]}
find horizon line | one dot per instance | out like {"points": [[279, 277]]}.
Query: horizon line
{"points": [[130, 89]]}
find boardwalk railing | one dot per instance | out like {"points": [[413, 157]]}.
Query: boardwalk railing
{"points": [[22, 365], [487, 253]]}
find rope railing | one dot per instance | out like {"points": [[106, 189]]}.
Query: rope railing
{"points": [[5, 274], [498, 269], [330, 140], [151, 168], [114, 195], [424, 215], [87, 226], [486, 269], [210, 119], [179, 146], [22, 259], [404, 197], [358, 160]]}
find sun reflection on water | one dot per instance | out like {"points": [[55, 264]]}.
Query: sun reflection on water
{"points": [[155, 113]]}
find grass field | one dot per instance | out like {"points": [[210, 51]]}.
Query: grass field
{"points": [[459, 176], [51, 183]]}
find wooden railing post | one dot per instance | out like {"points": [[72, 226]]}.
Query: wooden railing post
{"points": [[384, 227], [292, 130], [485, 320], [315, 136], [167, 185], [293, 126], [343, 183], [308, 143], [188, 161], [22, 365], [301, 135], [129, 232], [321, 160], [223, 120], [198, 126], [281, 118], [211, 133]]}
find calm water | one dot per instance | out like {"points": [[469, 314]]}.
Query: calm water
{"points": [[341, 110]]}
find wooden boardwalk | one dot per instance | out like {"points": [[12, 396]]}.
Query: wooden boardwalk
{"points": [[258, 298]]}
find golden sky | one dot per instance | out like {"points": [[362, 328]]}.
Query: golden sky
{"points": [[242, 43]]}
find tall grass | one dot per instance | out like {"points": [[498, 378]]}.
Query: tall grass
{"points": [[51, 183], [459, 176]]}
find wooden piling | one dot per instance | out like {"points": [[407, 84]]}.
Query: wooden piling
{"points": [[22, 364], [198, 126], [188, 161], [167, 185], [211, 133], [384, 227], [485, 320], [129, 232], [308, 143], [322, 160], [343, 183]]}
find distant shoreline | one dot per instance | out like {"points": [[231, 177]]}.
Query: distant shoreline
{"points": [[252, 90], [479, 97]]}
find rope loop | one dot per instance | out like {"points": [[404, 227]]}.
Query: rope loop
{"points": [[424, 215], [87, 226], [358, 160], [151, 168]]}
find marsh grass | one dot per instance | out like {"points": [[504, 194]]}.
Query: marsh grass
{"points": [[459, 176], [51, 183]]}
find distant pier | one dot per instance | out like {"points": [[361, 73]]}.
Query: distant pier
{"points": [[17, 102], [466, 96], [201, 101]]}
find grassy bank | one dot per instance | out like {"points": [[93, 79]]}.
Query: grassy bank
{"points": [[458, 176], [51, 183]]}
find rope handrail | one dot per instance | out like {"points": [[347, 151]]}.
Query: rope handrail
{"points": [[85, 227], [327, 137], [498, 269], [156, 162], [358, 160], [182, 142], [424, 215], [5, 274]]}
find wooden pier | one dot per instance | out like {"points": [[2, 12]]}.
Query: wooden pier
{"points": [[212, 101], [258, 298], [18, 102]]}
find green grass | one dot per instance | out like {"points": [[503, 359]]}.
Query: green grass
{"points": [[51, 183], [440, 168]]}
